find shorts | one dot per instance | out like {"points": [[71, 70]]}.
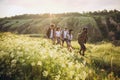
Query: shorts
{"points": [[58, 40], [64, 40]]}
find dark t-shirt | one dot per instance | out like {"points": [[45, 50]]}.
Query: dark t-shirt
{"points": [[82, 38]]}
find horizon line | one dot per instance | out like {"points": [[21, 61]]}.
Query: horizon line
{"points": [[57, 13]]}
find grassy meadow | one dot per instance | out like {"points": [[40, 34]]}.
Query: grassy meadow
{"points": [[100, 24], [29, 58]]}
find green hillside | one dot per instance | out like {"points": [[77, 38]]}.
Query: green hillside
{"points": [[28, 58], [99, 24]]}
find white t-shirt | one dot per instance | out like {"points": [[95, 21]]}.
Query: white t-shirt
{"points": [[69, 36], [51, 34], [65, 34], [58, 33]]}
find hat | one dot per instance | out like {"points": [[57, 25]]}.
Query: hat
{"points": [[52, 25]]}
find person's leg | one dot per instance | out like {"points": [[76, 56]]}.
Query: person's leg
{"points": [[58, 40], [71, 48], [80, 51], [54, 39], [66, 42], [62, 42], [81, 48], [68, 45], [84, 49]]}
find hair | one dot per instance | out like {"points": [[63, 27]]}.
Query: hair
{"points": [[85, 28], [57, 28], [70, 30], [66, 28]]}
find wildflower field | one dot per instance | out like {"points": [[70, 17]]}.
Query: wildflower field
{"points": [[28, 58]]}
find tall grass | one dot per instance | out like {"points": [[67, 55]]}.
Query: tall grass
{"points": [[26, 58]]}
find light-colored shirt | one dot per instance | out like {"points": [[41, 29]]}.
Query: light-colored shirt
{"points": [[58, 33], [69, 36], [51, 34], [65, 33]]}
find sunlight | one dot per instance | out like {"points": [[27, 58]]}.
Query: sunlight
{"points": [[16, 7]]}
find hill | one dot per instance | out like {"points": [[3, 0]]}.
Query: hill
{"points": [[26, 58], [100, 24]]}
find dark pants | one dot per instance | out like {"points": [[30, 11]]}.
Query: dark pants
{"points": [[64, 40], [58, 40], [82, 46], [69, 42]]}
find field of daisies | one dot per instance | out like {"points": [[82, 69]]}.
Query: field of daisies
{"points": [[29, 58]]}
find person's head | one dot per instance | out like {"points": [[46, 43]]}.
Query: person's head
{"points": [[66, 28], [58, 29], [85, 29], [70, 31]]}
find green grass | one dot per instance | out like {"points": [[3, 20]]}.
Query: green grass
{"points": [[28, 58], [19, 23], [40, 25]]}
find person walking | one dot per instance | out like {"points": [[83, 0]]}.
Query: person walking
{"points": [[64, 36], [51, 33], [82, 39], [58, 35], [69, 39]]}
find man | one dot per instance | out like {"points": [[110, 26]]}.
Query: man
{"points": [[82, 39], [51, 33], [69, 39], [64, 36]]}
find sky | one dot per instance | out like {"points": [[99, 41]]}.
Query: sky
{"points": [[17, 7]]}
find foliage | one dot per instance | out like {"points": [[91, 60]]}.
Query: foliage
{"points": [[25, 58], [99, 23]]}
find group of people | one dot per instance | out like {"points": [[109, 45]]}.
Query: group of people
{"points": [[59, 36]]}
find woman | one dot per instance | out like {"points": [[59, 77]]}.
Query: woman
{"points": [[58, 35], [69, 38]]}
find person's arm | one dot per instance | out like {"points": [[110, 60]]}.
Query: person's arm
{"points": [[54, 33], [60, 34], [86, 38], [71, 36], [47, 33]]}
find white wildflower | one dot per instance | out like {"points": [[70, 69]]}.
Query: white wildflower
{"points": [[33, 63], [12, 55], [45, 73], [57, 77], [84, 62], [13, 61], [39, 63]]}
